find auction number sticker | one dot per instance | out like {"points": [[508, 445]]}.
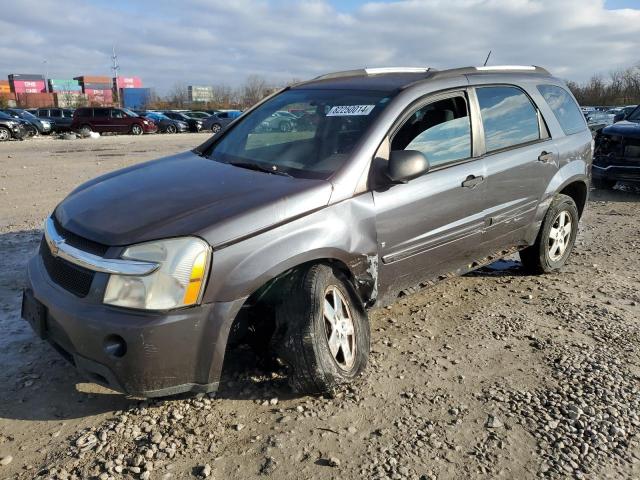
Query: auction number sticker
{"points": [[345, 110]]}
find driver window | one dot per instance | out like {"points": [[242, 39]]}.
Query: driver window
{"points": [[117, 114], [441, 130]]}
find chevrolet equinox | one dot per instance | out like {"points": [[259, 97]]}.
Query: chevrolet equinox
{"points": [[388, 179]]}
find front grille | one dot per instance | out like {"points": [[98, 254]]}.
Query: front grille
{"points": [[79, 242], [73, 278]]}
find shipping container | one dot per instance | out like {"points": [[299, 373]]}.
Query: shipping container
{"points": [[135, 98], [70, 99], [9, 99], [64, 85], [25, 76], [127, 82], [92, 79], [34, 100], [96, 86], [100, 97], [28, 86]]}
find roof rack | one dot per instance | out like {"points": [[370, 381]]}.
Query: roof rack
{"points": [[374, 71], [516, 68]]}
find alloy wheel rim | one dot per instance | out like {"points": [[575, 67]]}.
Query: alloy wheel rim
{"points": [[560, 235], [339, 328], [216, 128], [4, 135]]}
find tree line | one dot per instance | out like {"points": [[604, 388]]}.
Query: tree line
{"points": [[621, 87]]}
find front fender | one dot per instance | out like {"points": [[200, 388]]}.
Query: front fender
{"points": [[344, 232]]}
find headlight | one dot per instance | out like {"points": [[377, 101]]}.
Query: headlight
{"points": [[46, 123], [146, 122], [178, 282], [11, 123]]}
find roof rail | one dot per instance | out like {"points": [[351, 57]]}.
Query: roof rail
{"points": [[373, 71], [517, 68]]}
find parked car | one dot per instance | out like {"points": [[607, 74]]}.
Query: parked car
{"points": [[624, 113], [220, 120], [37, 126], [60, 118], [617, 153], [280, 122], [146, 275], [166, 124], [108, 119], [11, 127], [198, 115], [195, 124]]}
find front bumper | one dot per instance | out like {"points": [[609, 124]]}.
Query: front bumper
{"points": [[165, 353], [621, 173], [18, 131], [150, 128]]}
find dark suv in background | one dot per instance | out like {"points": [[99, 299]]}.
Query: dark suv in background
{"points": [[60, 118], [114, 120], [285, 239]]}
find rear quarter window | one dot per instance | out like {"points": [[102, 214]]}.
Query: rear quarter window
{"points": [[564, 108]]}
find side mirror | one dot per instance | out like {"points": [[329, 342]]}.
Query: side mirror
{"points": [[405, 165], [618, 117]]}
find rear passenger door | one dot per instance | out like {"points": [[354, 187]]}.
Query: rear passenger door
{"points": [[433, 224], [101, 121], [520, 158]]}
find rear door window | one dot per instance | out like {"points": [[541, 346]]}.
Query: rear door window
{"points": [[508, 116], [55, 113], [564, 108]]}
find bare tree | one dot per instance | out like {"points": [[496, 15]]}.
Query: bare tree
{"points": [[255, 89], [178, 95]]}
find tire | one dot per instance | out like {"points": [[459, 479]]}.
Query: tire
{"points": [[31, 131], [216, 127], [304, 331], [136, 129], [284, 127], [171, 129], [552, 247], [603, 183], [85, 130], [5, 134]]}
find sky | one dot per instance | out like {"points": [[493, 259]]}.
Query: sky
{"points": [[222, 42]]}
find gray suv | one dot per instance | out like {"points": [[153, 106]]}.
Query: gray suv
{"points": [[400, 178]]}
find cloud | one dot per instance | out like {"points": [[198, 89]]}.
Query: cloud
{"points": [[204, 42]]}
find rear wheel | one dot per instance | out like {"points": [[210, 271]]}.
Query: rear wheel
{"points": [[603, 183], [216, 127], [323, 332], [171, 129], [136, 129], [5, 134], [85, 130], [556, 237]]}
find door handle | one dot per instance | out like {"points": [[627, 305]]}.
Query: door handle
{"points": [[472, 181], [546, 157]]}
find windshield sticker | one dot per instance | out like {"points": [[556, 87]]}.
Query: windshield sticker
{"points": [[345, 110]]}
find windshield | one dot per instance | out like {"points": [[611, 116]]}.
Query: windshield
{"points": [[313, 145], [131, 113], [25, 114], [5, 116]]}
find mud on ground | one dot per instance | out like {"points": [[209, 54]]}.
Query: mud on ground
{"points": [[492, 375]]}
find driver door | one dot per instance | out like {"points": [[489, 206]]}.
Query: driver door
{"points": [[431, 225]]}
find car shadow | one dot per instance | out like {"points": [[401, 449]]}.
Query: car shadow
{"points": [[622, 192]]}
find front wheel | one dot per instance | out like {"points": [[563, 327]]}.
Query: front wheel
{"points": [[171, 129], [322, 331], [136, 129], [556, 238], [285, 127], [31, 131], [216, 127]]}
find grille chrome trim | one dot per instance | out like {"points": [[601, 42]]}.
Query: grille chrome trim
{"points": [[60, 248]]}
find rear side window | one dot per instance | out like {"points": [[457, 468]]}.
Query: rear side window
{"points": [[564, 108], [508, 116], [55, 113]]}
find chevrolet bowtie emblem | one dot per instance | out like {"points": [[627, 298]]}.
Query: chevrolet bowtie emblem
{"points": [[54, 246]]}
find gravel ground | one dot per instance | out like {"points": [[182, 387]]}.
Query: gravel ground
{"points": [[492, 375]]}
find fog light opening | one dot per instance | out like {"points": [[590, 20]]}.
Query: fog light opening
{"points": [[115, 346]]}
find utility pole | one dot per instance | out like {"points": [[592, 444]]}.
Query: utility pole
{"points": [[46, 75], [115, 68]]}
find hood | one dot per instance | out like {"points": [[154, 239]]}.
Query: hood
{"points": [[186, 194], [624, 129]]}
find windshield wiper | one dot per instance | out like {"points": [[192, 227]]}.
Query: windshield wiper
{"points": [[259, 168]]}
